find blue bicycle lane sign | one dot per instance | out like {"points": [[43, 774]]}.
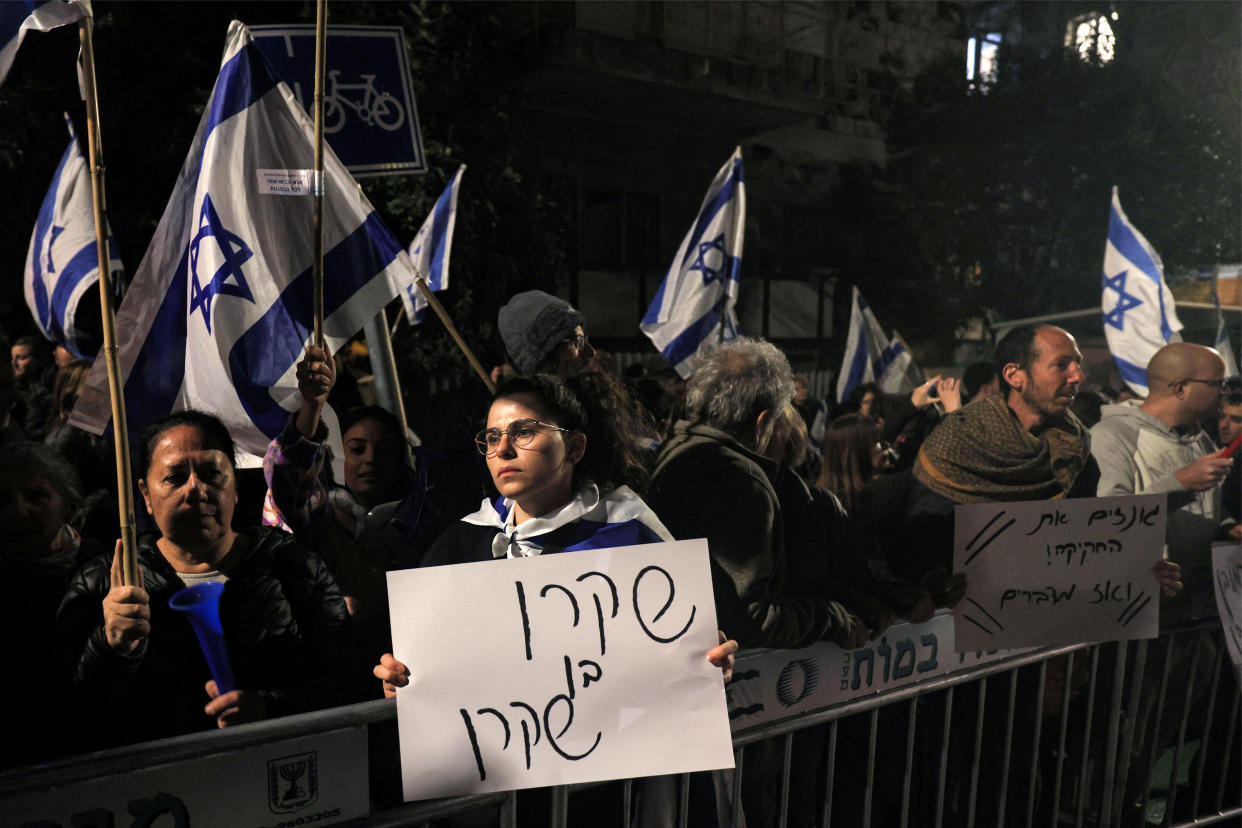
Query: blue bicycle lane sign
{"points": [[369, 114]]}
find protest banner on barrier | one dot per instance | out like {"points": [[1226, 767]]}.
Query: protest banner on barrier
{"points": [[558, 669], [1055, 572], [771, 685], [310, 780], [1227, 581]]}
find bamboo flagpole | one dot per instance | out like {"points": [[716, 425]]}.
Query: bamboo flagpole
{"points": [[321, 47], [452, 329], [120, 427]]}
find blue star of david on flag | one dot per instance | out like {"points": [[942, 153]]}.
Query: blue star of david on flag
{"points": [[1125, 301], [228, 278], [716, 250]]}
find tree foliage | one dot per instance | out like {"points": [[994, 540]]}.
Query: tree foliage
{"points": [[997, 199]]}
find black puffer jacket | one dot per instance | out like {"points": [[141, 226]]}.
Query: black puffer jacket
{"points": [[288, 634]]}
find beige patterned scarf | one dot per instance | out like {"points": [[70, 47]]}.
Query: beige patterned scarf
{"points": [[981, 453]]}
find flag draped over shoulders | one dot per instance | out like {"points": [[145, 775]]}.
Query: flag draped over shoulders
{"points": [[1139, 314], [693, 311], [63, 260], [429, 252], [220, 309]]}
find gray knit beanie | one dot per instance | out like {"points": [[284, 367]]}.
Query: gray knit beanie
{"points": [[532, 324]]}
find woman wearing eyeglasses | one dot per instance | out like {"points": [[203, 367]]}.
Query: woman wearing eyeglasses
{"points": [[565, 458]]}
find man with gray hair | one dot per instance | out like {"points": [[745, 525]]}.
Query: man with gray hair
{"points": [[732, 403]]}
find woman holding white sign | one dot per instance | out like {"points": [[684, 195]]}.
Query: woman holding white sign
{"points": [[565, 457]]}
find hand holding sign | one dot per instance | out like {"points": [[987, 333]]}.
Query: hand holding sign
{"points": [[557, 669], [1061, 572]]}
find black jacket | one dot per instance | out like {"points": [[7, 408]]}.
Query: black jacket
{"points": [[287, 631]]}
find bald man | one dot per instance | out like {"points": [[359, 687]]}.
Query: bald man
{"points": [[1158, 446]]}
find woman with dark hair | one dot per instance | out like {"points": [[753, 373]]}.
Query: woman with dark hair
{"points": [[382, 515], [564, 459], [554, 494], [865, 400], [136, 667], [854, 453]]}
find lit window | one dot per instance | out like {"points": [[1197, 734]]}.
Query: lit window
{"points": [[981, 55], [1092, 34]]}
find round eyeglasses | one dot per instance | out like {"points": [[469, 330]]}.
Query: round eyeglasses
{"points": [[521, 433]]}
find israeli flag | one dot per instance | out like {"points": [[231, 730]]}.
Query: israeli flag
{"points": [[693, 311], [19, 16], [871, 357], [431, 248], [1139, 315], [63, 261], [1222, 343], [220, 310]]}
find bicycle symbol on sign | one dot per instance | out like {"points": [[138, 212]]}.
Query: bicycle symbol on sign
{"points": [[375, 109]]}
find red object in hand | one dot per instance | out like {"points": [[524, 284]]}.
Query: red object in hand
{"points": [[1233, 447]]}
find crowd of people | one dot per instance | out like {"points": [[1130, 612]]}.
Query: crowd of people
{"points": [[824, 521]]}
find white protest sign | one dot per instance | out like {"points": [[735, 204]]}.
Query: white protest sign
{"points": [[1227, 578], [557, 669], [1054, 572]]}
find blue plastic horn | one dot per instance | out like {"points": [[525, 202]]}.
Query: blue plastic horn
{"points": [[201, 604]]}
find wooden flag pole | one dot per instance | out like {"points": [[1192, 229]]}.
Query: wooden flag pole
{"points": [[321, 19], [452, 329], [384, 370], [120, 427]]}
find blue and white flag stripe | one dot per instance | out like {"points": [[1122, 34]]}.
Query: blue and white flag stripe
{"points": [[62, 262], [20, 16], [220, 309], [871, 357], [694, 308], [431, 248], [1139, 313], [589, 521]]}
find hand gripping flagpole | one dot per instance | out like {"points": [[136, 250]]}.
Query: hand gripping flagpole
{"points": [[120, 428], [321, 39]]}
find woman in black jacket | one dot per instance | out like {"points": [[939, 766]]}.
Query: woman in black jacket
{"points": [[137, 671]]}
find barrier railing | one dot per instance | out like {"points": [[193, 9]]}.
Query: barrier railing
{"points": [[1102, 735]]}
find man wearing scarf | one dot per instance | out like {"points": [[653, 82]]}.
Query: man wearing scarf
{"points": [[1025, 446]]}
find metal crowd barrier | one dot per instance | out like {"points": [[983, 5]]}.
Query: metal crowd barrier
{"points": [[1112, 734]]}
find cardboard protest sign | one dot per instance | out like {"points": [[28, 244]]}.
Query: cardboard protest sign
{"points": [[1227, 579], [558, 669], [1057, 572]]}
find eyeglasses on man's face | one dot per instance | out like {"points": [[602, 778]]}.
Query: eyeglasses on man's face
{"points": [[1222, 384], [521, 433]]}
